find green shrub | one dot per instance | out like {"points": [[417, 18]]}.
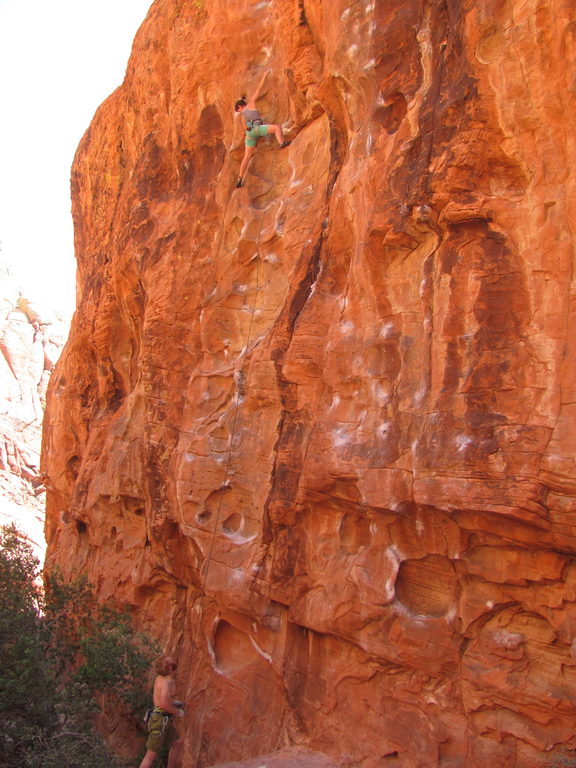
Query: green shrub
{"points": [[24, 681], [60, 653]]}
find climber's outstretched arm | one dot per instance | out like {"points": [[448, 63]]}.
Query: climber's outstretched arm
{"points": [[251, 103]]}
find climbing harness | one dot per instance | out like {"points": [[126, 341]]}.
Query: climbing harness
{"points": [[254, 123], [151, 720]]}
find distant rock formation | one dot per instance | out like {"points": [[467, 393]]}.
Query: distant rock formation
{"points": [[319, 432], [31, 338]]}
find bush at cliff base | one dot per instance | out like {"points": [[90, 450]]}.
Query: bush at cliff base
{"points": [[60, 656]]}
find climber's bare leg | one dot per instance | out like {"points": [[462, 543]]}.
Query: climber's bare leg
{"points": [[277, 131], [248, 155]]}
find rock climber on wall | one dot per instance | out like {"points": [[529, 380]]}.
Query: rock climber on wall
{"points": [[255, 127]]}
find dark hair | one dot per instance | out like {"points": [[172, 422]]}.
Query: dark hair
{"points": [[240, 103], [164, 665]]}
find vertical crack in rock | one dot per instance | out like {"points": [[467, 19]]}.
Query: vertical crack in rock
{"points": [[292, 429], [291, 432]]}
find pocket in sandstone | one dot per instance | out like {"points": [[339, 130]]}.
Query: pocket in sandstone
{"points": [[490, 45], [392, 112], [203, 518], [73, 467], [427, 587], [354, 533], [239, 527], [233, 649]]}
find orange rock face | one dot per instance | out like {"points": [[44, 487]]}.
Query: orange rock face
{"points": [[319, 431]]}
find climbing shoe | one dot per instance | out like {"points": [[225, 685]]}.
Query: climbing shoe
{"points": [[239, 183], [285, 143]]}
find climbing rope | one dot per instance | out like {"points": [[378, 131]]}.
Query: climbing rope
{"points": [[243, 356], [225, 482], [238, 366], [205, 568]]}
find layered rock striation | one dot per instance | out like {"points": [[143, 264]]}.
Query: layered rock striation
{"points": [[318, 432]]}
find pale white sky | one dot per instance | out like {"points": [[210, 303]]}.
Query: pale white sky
{"points": [[59, 59]]}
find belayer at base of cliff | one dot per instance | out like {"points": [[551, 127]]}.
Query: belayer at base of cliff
{"points": [[255, 127], [162, 732]]}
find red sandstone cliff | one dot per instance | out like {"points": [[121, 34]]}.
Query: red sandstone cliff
{"points": [[319, 431]]}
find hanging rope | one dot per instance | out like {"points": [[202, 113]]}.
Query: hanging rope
{"points": [[238, 368], [225, 481]]}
